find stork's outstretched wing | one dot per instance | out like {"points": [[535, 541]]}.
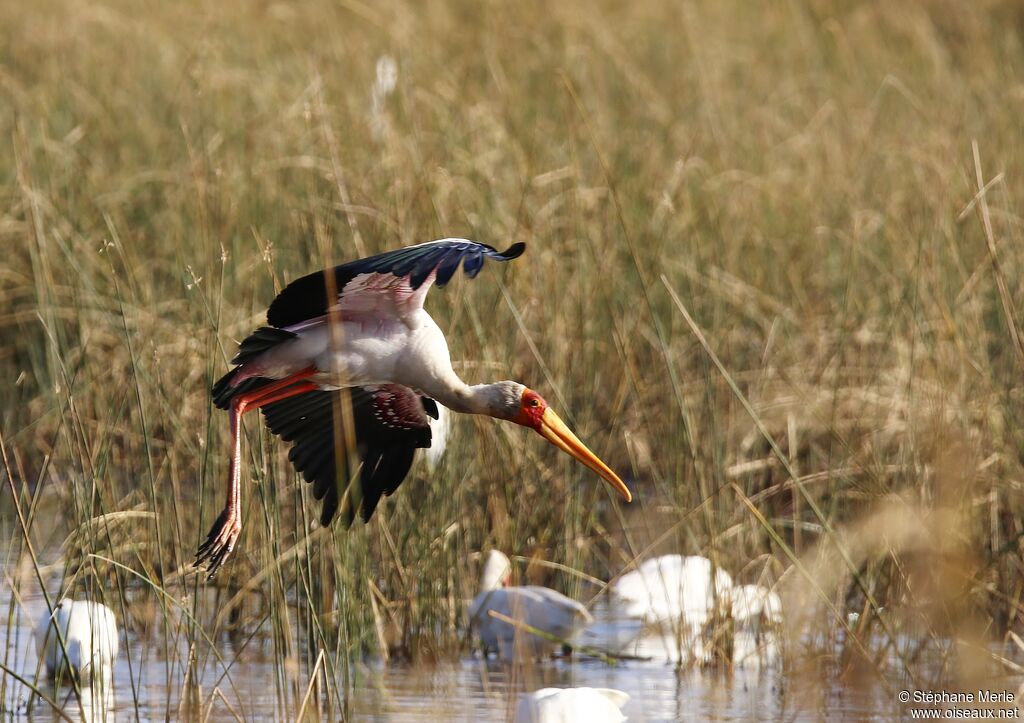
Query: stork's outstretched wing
{"points": [[391, 422], [389, 284]]}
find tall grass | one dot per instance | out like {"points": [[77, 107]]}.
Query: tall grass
{"points": [[801, 176]]}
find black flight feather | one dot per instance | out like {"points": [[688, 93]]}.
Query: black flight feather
{"points": [[306, 297], [386, 452]]}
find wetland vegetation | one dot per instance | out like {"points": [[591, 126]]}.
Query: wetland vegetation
{"points": [[773, 278]]}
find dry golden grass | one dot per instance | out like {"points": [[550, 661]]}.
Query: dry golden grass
{"points": [[801, 175]]}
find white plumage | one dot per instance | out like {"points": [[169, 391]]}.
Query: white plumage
{"points": [[675, 594], [672, 588], [539, 607], [90, 637], [757, 612], [753, 605], [571, 705], [439, 429]]}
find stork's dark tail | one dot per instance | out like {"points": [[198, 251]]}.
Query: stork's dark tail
{"points": [[225, 390], [264, 338]]}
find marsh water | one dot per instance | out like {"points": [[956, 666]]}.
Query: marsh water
{"points": [[148, 679], [243, 680]]}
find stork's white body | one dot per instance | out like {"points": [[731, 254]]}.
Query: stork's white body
{"points": [[539, 607], [673, 589], [571, 705], [90, 637], [409, 350], [377, 332]]}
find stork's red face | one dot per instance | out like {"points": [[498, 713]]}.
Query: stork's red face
{"points": [[535, 413]]}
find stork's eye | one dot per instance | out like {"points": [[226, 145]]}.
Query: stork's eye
{"points": [[535, 402]]}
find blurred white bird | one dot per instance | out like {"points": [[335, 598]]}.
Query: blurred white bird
{"points": [[90, 637], [538, 607], [757, 612], [753, 605], [672, 588], [383, 86], [569, 705]]}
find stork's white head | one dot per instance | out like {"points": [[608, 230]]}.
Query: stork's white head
{"points": [[496, 573], [500, 400]]}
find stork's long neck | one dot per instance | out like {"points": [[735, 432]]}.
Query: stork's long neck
{"points": [[430, 371], [458, 396], [444, 386]]}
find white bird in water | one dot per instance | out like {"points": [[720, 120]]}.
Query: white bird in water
{"points": [[757, 612], [672, 589], [539, 607], [89, 630], [754, 606], [571, 705], [350, 368]]}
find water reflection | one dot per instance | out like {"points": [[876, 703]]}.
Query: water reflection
{"points": [[486, 689], [95, 704]]}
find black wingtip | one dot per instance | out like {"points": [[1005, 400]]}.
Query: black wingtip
{"points": [[514, 251]]}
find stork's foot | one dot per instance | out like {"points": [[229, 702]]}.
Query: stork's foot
{"points": [[220, 542]]}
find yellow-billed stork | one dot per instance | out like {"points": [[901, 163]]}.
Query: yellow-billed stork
{"points": [[354, 343]]}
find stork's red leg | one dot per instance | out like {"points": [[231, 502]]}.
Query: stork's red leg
{"points": [[222, 536]]}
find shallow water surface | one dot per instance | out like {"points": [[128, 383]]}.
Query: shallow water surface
{"points": [[148, 680], [244, 680]]}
